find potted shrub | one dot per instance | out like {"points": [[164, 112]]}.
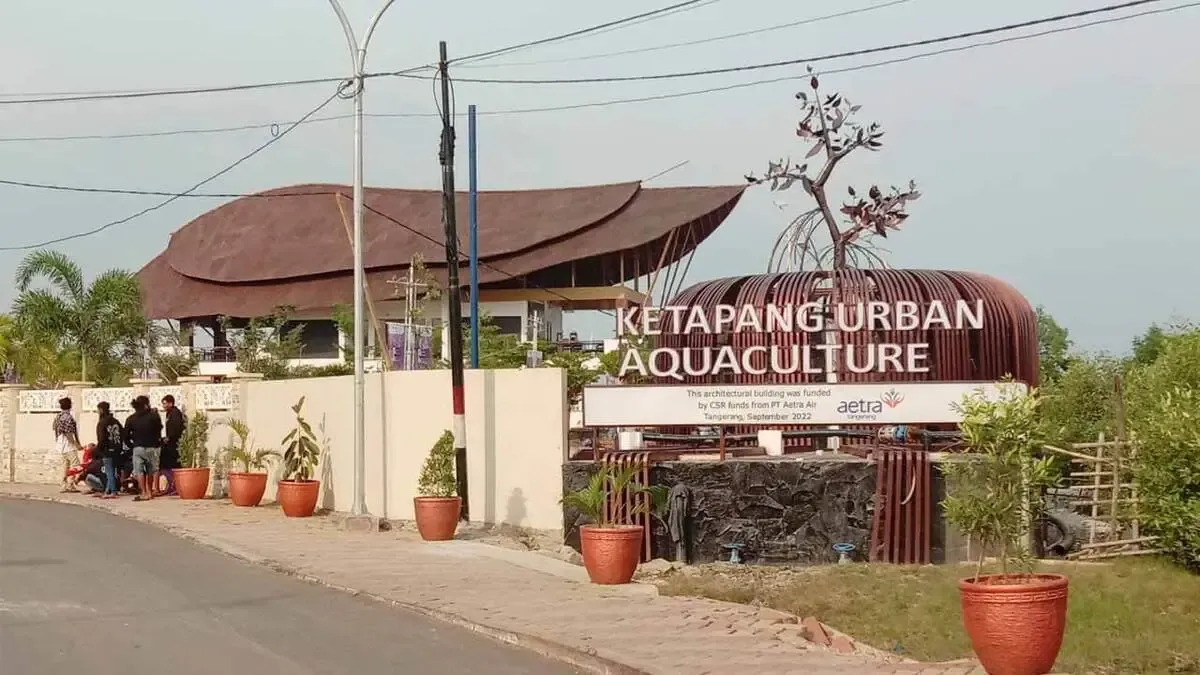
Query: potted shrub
{"points": [[1016, 618], [437, 507], [246, 487], [298, 492], [191, 480], [611, 551]]}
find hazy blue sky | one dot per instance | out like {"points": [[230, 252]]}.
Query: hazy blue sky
{"points": [[1064, 164]]}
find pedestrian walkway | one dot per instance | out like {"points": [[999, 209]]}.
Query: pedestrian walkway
{"points": [[617, 630]]}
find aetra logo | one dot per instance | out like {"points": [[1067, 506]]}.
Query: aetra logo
{"points": [[868, 409]]}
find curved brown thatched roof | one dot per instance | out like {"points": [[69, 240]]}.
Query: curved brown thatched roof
{"points": [[290, 246]]}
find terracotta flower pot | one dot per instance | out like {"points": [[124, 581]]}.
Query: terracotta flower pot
{"points": [[192, 483], [1015, 622], [298, 497], [247, 489], [611, 554], [437, 517]]}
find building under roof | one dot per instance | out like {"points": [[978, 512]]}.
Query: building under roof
{"points": [[572, 248]]}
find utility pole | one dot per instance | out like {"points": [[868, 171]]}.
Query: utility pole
{"points": [[450, 220], [358, 61]]}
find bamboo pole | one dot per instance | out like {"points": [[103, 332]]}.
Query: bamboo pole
{"points": [[1095, 495], [380, 334]]}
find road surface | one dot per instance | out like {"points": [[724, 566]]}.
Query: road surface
{"points": [[82, 591]]}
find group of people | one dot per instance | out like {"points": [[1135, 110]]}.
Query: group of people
{"points": [[134, 457]]}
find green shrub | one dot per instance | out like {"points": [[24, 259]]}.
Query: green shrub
{"points": [[193, 446], [437, 478], [1164, 418], [994, 493]]}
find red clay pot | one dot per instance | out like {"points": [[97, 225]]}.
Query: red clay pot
{"points": [[298, 497], [247, 489], [1015, 622], [437, 517], [191, 483], [611, 554]]}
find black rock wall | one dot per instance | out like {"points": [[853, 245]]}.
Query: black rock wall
{"points": [[790, 511]]}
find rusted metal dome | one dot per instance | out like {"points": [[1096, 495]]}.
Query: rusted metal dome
{"points": [[1005, 344]]}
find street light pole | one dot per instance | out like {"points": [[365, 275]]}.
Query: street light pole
{"points": [[358, 60]]}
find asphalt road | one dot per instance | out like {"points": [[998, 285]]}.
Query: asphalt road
{"points": [[83, 591]]}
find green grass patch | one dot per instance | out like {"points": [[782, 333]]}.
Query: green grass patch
{"points": [[1135, 616]]}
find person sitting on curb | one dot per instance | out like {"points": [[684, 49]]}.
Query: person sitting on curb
{"points": [[86, 475]]}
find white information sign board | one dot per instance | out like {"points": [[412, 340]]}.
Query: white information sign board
{"points": [[782, 404]]}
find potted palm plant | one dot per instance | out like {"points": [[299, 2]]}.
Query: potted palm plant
{"points": [[611, 550], [1016, 618], [298, 492], [246, 487], [437, 506], [191, 480]]}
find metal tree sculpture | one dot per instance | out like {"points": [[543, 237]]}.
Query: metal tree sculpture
{"points": [[828, 123]]}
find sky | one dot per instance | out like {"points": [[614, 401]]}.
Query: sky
{"points": [[1061, 164]]}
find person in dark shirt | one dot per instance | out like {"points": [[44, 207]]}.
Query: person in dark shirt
{"points": [[143, 431], [168, 459], [110, 442]]}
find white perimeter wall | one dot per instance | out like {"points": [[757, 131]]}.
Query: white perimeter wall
{"points": [[516, 434]]}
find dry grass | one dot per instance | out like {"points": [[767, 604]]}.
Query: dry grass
{"points": [[1129, 617]]}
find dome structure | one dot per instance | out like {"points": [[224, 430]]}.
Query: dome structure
{"points": [[995, 335]]}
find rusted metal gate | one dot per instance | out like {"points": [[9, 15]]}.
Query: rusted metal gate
{"points": [[903, 504], [625, 507]]}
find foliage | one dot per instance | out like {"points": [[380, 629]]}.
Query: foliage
{"points": [[266, 344], [169, 354], [193, 446], [582, 369], [301, 452], [1149, 345], [1164, 418], [343, 316], [1167, 470], [610, 480], [437, 477], [1081, 402], [240, 449], [610, 362], [98, 320], [34, 361], [827, 121], [1054, 347], [995, 494]]}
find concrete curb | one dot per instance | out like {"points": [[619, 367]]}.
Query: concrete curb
{"points": [[586, 659]]}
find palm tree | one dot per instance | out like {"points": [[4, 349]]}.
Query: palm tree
{"points": [[95, 319], [30, 360]]}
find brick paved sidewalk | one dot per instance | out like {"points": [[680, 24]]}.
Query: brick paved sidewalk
{"points": [[604, 630]]}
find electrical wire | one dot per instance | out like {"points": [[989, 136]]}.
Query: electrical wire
{"points": [[622, 101], [177, 196], [462, 258], [692, 43], [624, 22], [815, 59], [31, 98]]}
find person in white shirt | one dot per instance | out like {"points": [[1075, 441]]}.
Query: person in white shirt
{"points": [[66, 439]]}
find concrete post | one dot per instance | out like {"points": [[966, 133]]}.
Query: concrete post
{"points": [[188, 385], [241, 383], [141, 386], [9, 407]]}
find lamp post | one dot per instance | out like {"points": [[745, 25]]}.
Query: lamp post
{"points": [[358, 60]]}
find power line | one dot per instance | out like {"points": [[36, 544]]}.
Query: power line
{"points": [[701, 41], [174, 197], [618, 101], [462, 258], [590, 30], [815, 59], [31, 98]]}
